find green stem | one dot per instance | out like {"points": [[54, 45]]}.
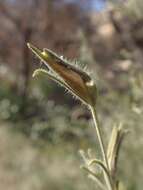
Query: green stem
{"points": [[102, 147]]}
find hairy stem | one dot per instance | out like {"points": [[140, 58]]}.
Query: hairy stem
{"points": [[102, 147]]}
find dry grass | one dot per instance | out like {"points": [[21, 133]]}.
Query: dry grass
{"points": [[27, 166]]}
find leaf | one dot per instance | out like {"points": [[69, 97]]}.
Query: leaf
{"points": [[114, 146]]}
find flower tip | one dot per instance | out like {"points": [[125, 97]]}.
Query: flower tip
{"points": [[35, 73], [39, 71], [29, 45], [36, 51]]}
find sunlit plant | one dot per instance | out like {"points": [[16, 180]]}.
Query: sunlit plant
{"points": [[80, 84]]}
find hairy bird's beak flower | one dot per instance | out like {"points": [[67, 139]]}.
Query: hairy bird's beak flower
{"points": [[80, 84], [70, 76]]}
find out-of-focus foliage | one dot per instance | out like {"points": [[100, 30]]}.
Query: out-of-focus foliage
{"points": [[41, 128]]}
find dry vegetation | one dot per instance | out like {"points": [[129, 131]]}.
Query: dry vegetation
{"points": [[39, 151]]}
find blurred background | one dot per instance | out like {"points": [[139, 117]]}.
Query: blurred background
{"points": [[41, 127]]}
